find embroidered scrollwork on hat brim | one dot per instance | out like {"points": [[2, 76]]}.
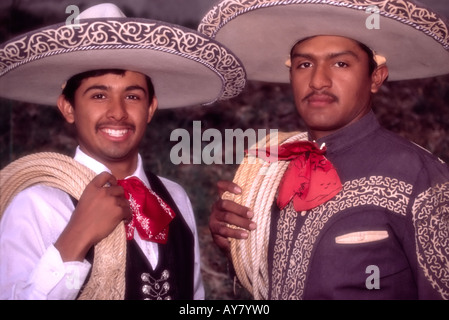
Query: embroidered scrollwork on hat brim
{"points": [[121, 34], [408, 13]]}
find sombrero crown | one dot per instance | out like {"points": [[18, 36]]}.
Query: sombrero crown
{"points": [[413, 39], [187, 67]]}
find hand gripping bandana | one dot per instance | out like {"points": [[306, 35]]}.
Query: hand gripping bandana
{"points": [[151, 215]]}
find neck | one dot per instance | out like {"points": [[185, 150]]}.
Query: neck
{"points": [[350, 135], [121, 170], [316, 134]]}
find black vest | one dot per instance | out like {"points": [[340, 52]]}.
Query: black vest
{"points": [[173, 277]]}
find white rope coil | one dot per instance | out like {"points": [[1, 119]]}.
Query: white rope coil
{"points": [[259, 182]]}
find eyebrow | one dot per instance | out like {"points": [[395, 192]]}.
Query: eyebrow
{"points": [[106, 88], [329, 56], [136, 87]]}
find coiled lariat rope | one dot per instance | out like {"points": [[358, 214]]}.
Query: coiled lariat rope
{"points": [[107, 279], [259, 181]]}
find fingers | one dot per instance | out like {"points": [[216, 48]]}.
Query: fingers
{"points": [[123, 203], [230, 212], [104, 178], [239, 217], [228, 186], [224, 206], [109, 182], [222, 243], [106, 186], [229, 219], [222, 230], [221, 220], [226, 213]]}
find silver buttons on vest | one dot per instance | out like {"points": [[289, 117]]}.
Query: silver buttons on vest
{"points": [[156, 289]]}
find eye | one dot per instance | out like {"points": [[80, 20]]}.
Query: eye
{"points": [[341, 64], [98, 96], [304, 65], [133, 97]]}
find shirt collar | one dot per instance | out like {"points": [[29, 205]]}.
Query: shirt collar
{"points": [[350, 135], [98, 167]]}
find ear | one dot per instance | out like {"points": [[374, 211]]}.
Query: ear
{"points": [[152, 109], [378, 77], [66, 109]]}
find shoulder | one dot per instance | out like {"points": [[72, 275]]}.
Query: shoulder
{"points": [[40, 195], [428, 174], [410, 155], [172, 186], [39, 207]]}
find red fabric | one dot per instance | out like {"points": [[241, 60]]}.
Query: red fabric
{"points": [[151, 215], [310, 179]]}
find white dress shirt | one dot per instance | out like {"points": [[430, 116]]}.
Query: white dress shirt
{"points": [[32, 268]]}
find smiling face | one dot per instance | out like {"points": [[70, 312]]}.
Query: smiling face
{"points": [[111, 113], [331, 83]]}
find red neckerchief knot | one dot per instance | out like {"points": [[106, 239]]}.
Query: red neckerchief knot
{"points": [[151, 215], [310, 178]]}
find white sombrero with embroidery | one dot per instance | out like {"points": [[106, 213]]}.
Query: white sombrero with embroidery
{"points": [[413, 39], [186, 67]]}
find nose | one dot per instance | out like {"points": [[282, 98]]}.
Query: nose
{"points": [[117, 110], [320, 79]]}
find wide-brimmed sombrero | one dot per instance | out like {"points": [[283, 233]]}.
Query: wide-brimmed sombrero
{"points": [[413, 39], [186, 67]]}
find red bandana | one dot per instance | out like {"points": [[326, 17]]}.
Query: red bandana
{"points": [[310, 179], [151, 215]]}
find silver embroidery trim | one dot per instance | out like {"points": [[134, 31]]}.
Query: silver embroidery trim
{"points": [[289, 271], [156, 289], [120, 34], [404, 12]]}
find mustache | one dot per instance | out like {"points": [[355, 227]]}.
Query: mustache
{"points": [[320, 93]]}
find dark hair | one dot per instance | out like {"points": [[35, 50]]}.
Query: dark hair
{"points": [[74, 82], [372, 64]]}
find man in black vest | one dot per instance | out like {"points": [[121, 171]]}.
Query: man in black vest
{"points": [[107, 74], [110, 109]]}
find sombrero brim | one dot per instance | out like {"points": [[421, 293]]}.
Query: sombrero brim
{"points": [[186, 67], [414, 40]]}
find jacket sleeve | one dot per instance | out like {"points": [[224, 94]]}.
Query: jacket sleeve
{"points": [[430, 216]]}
